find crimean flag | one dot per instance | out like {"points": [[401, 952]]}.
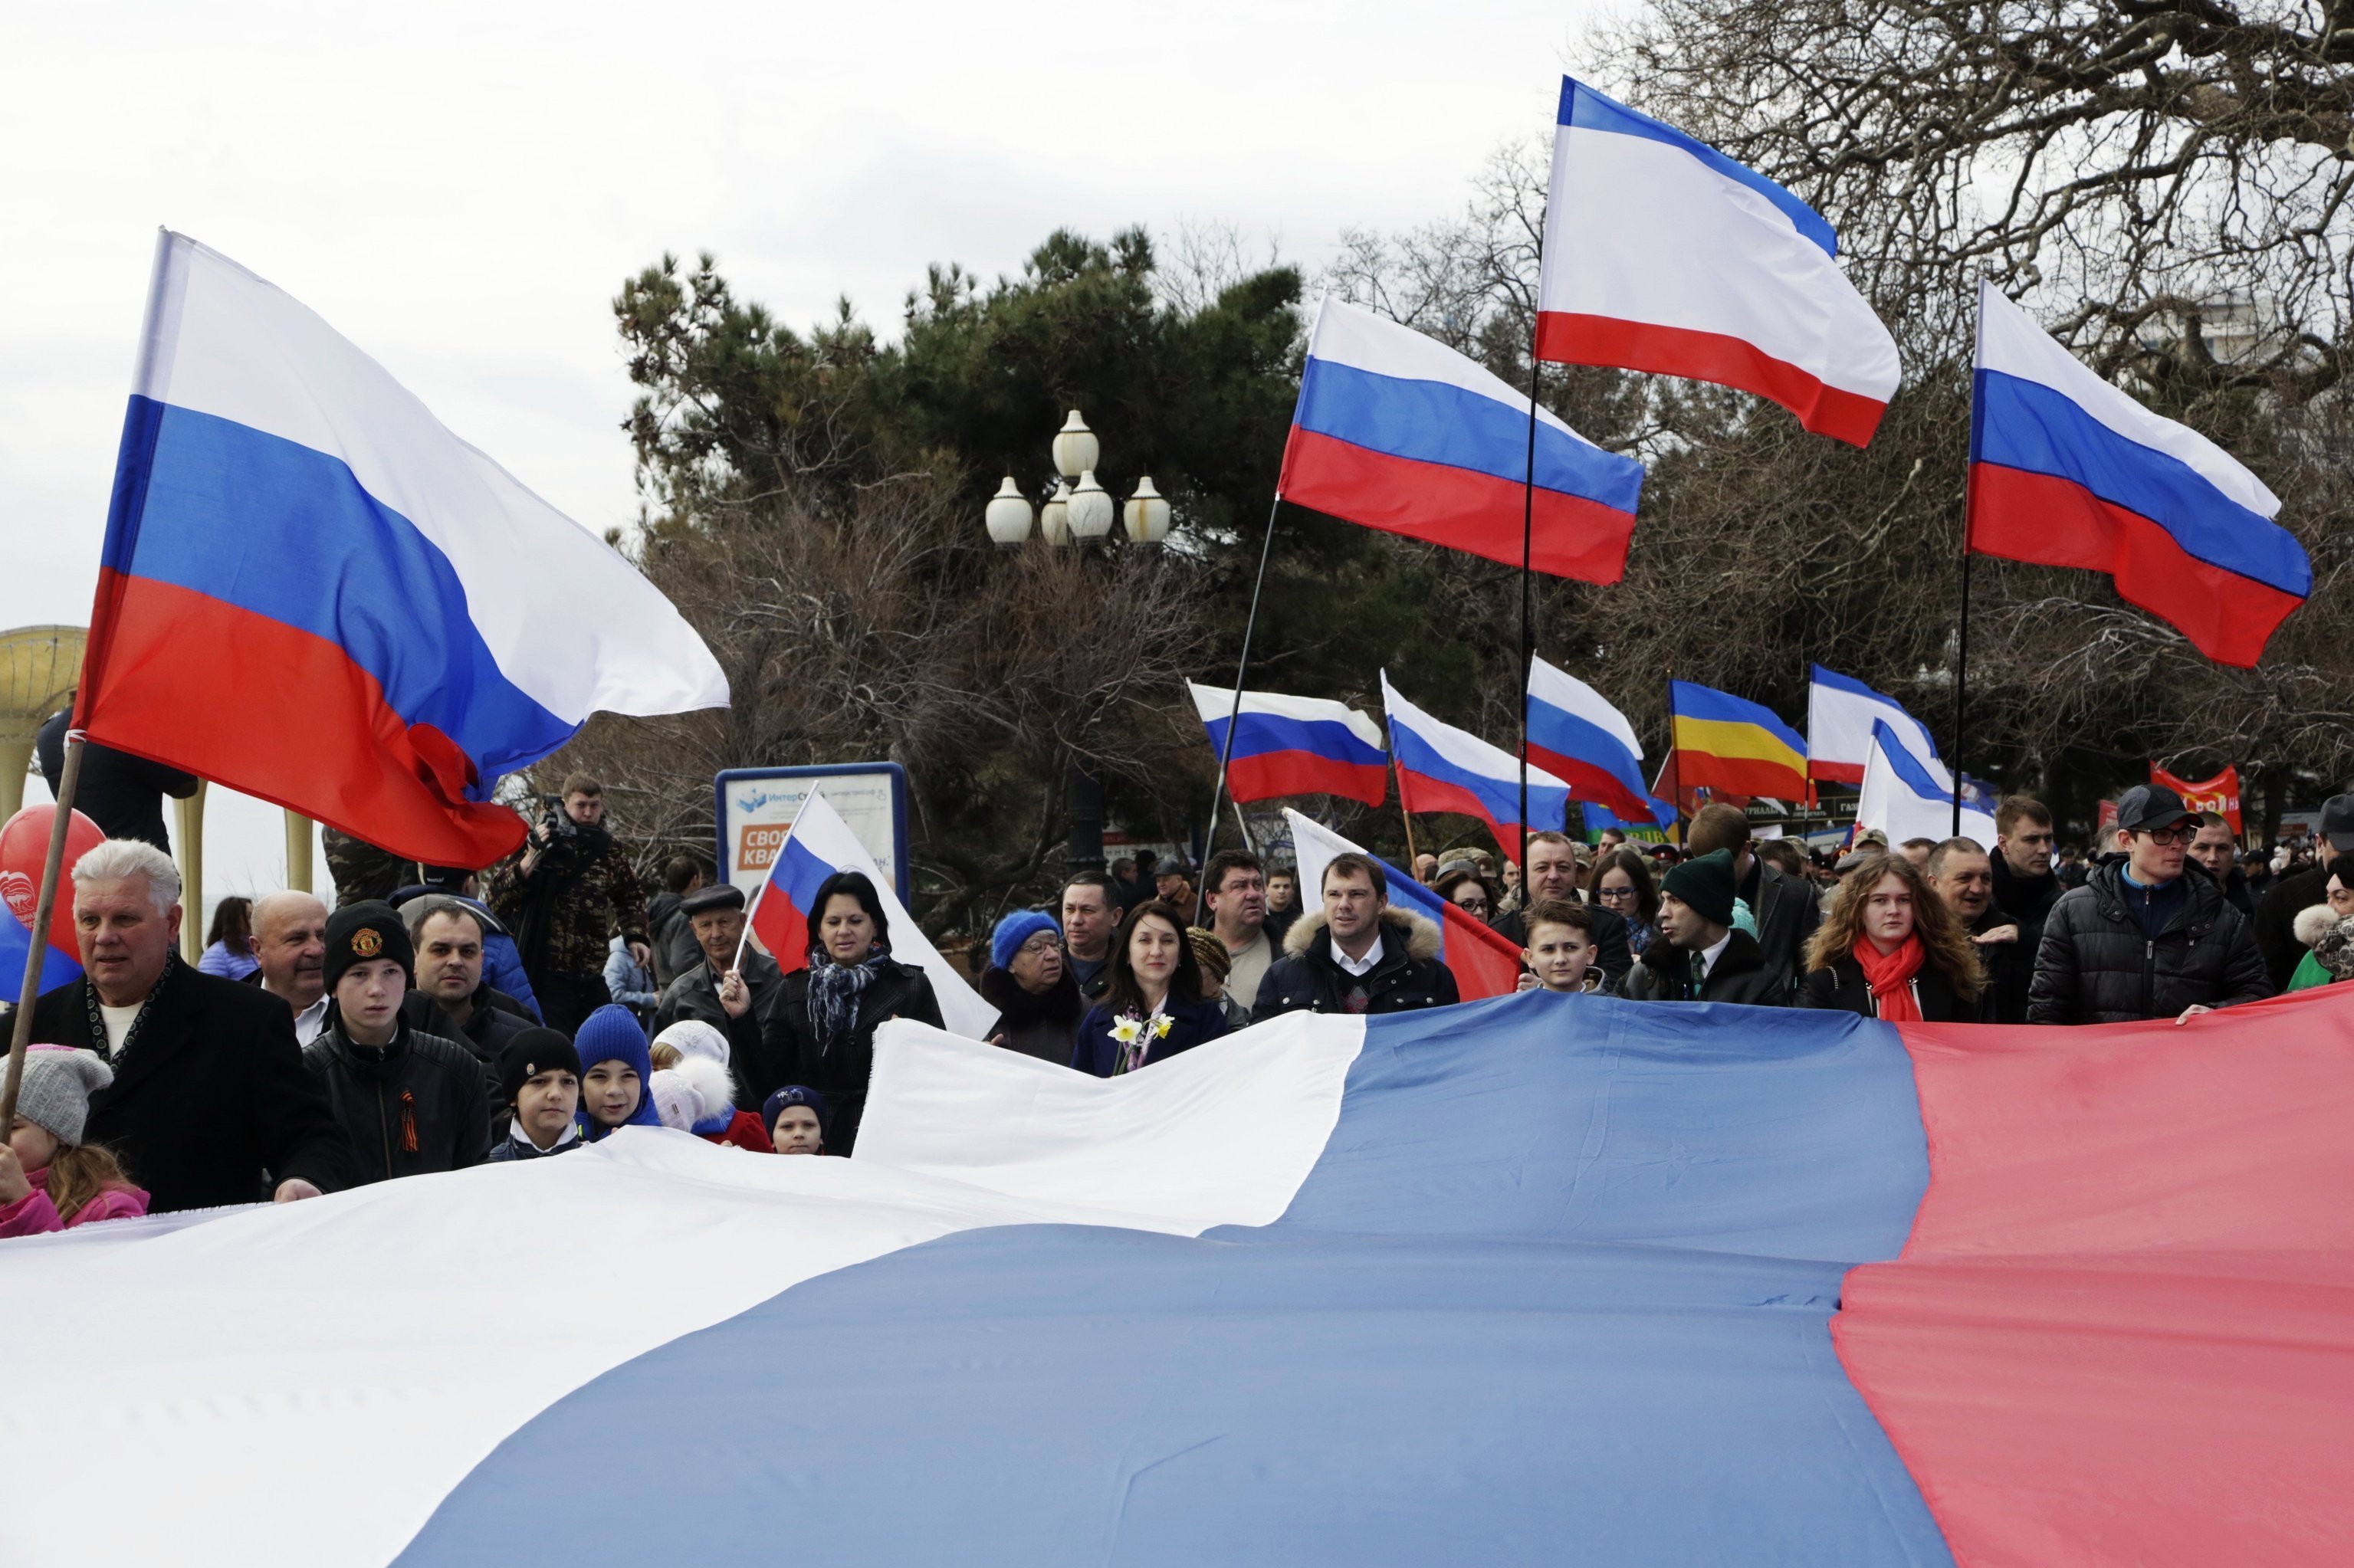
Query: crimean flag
{"points": [[2220, 794], [1397, 431], [1659, 1283], [1731, 744], [1663, 255], [2067, 470], [1484, 963], [400, 621]]}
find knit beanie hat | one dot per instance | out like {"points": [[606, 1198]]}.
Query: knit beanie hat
{"points": [[1705, 882], [612, 1034], [693, 1037], [795, 1095], [360, 932], [1013, 931], [54, 1094], [676, 1101], [530, 1054]]}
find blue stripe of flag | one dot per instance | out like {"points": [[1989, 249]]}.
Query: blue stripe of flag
{"points": [[1583, 109], [1258, 734]]}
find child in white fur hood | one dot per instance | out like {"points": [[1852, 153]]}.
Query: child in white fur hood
{"points": [[696, 1093]]}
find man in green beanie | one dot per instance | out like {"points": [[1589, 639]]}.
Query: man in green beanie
{"points": [[1702, 958]]}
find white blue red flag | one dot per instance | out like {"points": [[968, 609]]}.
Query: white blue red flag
{"points": [[399, 619], [2067, 470], [1840, 713], [1663, 255], [1908, 794], [1539, 1279], [1397, 431], [1575, 735], [1484, 962], [817, 845], [1294, 745], [1442, 768]]}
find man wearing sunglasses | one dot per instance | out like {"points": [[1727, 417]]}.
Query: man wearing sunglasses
{"points": [[2145, 937]]}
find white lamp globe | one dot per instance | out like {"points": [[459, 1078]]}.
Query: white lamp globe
{"points": [[1008, 514], [1075, 448], [1147, 515], [1054, 516], [1092, 509]]}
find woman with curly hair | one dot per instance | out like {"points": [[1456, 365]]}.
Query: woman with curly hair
{"points": [[1889, 949]]}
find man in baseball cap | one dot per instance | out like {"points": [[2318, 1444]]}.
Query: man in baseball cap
{"points": [[2301, 890], [2142, 939]]}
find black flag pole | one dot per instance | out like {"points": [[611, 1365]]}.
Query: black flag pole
{"points": [[1242, 674], [1961, 663], [1528, 593]]}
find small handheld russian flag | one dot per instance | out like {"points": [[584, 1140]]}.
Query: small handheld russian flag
{"points": [[2067, 470], [817, 845]]}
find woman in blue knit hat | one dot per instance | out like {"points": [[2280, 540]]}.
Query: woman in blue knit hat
{"points": [[617, 1071], [1032, 987]]}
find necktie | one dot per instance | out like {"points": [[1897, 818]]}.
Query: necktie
{"points": [[1700, 971]]}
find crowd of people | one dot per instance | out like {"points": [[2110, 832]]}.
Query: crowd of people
{"points": [[441, 1018]]}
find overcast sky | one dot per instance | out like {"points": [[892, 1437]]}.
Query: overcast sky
{"points": [[461, 190]]}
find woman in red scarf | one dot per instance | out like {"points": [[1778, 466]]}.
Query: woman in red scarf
{"points": [[1889, 949]]}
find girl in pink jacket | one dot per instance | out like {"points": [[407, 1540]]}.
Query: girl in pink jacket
{"points": [[50, 1179]]}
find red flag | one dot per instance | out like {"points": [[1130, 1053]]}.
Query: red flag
{"points": [[2220, 794]]}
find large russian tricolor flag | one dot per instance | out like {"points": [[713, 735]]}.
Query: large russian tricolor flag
{"points": [[1575, 735], [399, 619], [1534, 1280], [2067, 470], [1294, 745], [1662, 254], [1442, 768], [817, 845], [1840, 714], [1397, 431], [1730, 743], [1484, 962]]}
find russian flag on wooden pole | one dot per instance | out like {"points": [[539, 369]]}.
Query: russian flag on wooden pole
{"points": [[1395, 430], [400, 621], [1576, 735], [2067, 470], [816, 846], [1663, 255], [1841, 712], [1294, 745], [1442, 768], [1485, 962], [1726, 743]]}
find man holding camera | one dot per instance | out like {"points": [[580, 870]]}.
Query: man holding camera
{"points": [[566, 897]]}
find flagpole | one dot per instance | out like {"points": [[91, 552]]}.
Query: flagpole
{"points": [[1675, 764], [38, 948], [1242, 672], [1962, 657], [1403, 815], [1528, 595]]}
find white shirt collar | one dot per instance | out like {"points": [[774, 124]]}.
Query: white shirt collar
{"points": [[1708, 956], [516, 1131], [309, 1021], [1359, 967]]}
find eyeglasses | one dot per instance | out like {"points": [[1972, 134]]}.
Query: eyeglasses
{"points": [[1615, 893], [1044, 942], [1473, 906], [2179, 835]]}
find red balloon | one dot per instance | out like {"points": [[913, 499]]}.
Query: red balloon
{"points": [[24, 849]]}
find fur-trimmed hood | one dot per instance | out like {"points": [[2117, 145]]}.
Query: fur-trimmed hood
{"points": [[1419, 931]]}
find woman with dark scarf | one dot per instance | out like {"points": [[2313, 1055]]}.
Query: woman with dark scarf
{"points": [[818, 1028]]}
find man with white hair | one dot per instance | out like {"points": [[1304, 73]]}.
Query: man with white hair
{"points": [[210, 1103]]}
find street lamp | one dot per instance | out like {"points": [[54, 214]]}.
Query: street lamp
{"points": [[1081, 514]]}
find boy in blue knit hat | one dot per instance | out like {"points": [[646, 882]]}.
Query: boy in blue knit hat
{"points": [[617, 1073]]}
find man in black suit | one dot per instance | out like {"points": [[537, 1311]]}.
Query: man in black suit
{"points": [[210, 1103]]}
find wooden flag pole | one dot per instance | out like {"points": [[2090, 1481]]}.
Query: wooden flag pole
{"points": [[1403, 815], [43, 908]]}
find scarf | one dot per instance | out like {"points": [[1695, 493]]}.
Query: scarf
{"points": [[833, 992], [130, 1035], [1890, 975]]}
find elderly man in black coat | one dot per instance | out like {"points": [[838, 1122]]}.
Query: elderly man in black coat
{"points": [[210, 1104]]}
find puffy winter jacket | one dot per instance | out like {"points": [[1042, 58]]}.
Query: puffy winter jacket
{"points": [[2095, 965], [1306, 979], [412, 1106]]}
